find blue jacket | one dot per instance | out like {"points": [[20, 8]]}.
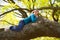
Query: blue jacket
{"points": [[31, 18]]}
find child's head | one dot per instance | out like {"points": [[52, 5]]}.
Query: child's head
{"points": [[35, 12]]}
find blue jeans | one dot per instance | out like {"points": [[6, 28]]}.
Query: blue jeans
{"points": [[19, 27]]}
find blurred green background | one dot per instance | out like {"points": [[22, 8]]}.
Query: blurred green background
{"points": [[10, 14]]}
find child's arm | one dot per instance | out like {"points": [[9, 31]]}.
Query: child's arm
{"points": [[33, 18], [27, 20]]}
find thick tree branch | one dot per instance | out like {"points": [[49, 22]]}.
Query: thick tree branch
{"points": [[42, 8], [42, 27]]}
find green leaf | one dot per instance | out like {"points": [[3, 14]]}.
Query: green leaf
{"points": [[57, 0]]}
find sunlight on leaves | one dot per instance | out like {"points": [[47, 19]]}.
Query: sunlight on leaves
{"points": [[11, 18], [46, 38]]}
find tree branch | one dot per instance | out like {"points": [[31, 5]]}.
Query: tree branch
{"points": [[52, 2], [57, 8], [42, 27], [42, 8], [7, 22], [7, 12], [5, 0], [53, 14], [23, 13], [9, 1]]}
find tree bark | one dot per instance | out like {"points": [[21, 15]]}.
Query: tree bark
{"points": [[42, 27]]}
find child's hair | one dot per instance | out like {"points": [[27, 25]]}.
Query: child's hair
{"points": [[36, 12]]}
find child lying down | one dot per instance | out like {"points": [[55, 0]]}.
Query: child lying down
{"points": [[32, 18]]}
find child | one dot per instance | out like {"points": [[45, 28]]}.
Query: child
{"points": [[32, 18]]}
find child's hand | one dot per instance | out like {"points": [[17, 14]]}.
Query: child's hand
{"points": [[36, 12]]}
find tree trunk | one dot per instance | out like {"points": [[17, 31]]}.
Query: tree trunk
{"points": [[42, 27]]}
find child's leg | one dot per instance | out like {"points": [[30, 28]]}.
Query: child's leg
{"points": [[19, 27]]}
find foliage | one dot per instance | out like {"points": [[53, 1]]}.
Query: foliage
{"points": [[46, 38], [11, 18], [57, 0], [30, 4], [35, 3], [47, 14], [8, 7]]}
